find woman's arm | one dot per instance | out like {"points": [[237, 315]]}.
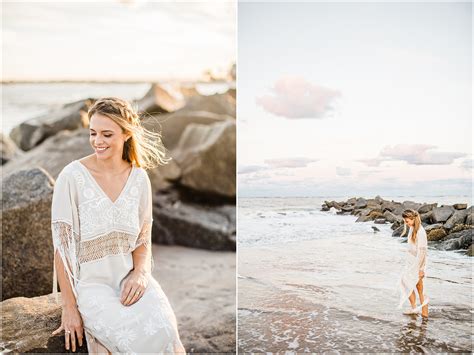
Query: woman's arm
{"points": [[421, 251], [67, 295], [142, 253]]}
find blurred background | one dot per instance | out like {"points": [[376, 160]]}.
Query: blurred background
{"points": [[175, 62]]}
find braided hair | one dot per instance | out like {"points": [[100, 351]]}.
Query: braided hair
{"points": [[412, 214], [144, 148]]}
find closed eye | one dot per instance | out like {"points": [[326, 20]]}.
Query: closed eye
{"points": [[105, 135]]}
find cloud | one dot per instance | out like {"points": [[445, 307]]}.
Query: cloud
{"points": [[297, 162], [294, 97], [467, 164], [414, 154], [274, 164], [247, 169], [343, 171]]}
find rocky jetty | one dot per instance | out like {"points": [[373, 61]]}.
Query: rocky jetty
{"points": [[448, 227]]}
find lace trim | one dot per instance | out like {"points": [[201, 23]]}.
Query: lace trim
{"points": [[66, 244], [113, 243]]}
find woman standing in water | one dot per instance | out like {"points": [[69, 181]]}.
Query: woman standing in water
{"points": [[415, 268]]}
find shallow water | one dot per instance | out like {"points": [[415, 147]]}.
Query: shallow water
{"points": [[312, 281]]}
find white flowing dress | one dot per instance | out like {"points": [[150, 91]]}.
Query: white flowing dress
{"points": [[95, 238], [415, 262]]}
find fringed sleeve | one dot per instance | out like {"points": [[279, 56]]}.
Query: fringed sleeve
{"points": [[146, 221], [64, 231]]}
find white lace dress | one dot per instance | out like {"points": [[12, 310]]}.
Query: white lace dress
{"points": [[95, 238], [415, 262]]}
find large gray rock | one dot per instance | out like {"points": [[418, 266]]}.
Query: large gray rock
{"points": [[27, 266], [411, 205], [161, 99], [441, 214], [334, 204], [378, 199], [433, 226], [458, 217], [470, 215], [389, 216], [27, 324], [9, 148], [460, 206], [470, 251], [427, 207], [427, 217], [436, 234], [206, 156], [192, 224], [54, 154], [33, 132], [361, 203], [347, 208], [459, 240], [221, 104], [172, 125]]}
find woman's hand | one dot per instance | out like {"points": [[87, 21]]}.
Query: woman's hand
{"points": [[71, 323], [421, 274], [134, 287]]}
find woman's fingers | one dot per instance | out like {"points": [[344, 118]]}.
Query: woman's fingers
{"points": [[135, 296], [130, 296], [57, 330], [125, 293], [66, 338], [80, 335], [73, 340]]}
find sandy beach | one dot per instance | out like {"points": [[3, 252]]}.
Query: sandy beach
{"points": [[310, 281], [200, 285]]}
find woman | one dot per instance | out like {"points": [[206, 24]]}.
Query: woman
{"points": [[415, 268], [101, 228]]}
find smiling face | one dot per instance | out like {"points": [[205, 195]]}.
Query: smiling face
{"points": [[106, 137], [409, 221]]}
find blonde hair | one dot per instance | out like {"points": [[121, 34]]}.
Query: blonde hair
{"points": [[144, 148], [412, 214]]}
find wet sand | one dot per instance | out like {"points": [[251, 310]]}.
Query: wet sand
{"points": [[339, 294]]}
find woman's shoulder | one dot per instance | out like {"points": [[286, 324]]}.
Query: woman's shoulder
{"points": [[421, 235], [141, 171], [68, 169]]}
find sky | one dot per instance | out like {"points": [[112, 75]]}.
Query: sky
{"points": [[354, 99], [116, 40]]}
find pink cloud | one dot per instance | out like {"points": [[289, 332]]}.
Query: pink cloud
{"points": [[294, 97]]}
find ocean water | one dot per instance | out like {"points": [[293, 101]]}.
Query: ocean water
{"points": [[313, 281], [22, 101]]}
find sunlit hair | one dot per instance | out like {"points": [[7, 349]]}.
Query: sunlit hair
{"points": [[144, 148], [414, 215]]}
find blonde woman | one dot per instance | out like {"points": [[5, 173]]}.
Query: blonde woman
{"points": [[415, 268], [101, 228]]}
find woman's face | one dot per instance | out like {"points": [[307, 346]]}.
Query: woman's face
{"points": [[409, 221], [106, 137]]}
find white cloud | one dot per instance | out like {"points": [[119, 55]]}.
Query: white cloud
{"points": [[415, 154]]}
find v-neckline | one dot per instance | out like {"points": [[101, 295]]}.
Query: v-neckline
{"points": [[100, 188]]}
